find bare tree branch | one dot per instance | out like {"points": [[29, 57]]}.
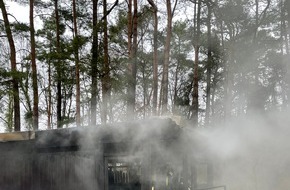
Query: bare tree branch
{"points": [[110, 10], [13, 17], [174, 7], [263, 14], [152, 4]]}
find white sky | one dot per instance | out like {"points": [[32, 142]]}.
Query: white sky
{"points": [[21, 13]]}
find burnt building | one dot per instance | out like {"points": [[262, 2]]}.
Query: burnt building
{"points": [[150, 154]]}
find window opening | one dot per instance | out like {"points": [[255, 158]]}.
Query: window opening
{"points": [[124, 174]]}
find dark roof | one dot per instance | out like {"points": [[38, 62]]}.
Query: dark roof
{"points": [[140, 130]]}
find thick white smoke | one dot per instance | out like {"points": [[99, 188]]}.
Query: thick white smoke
{"points": [[252, 152]]}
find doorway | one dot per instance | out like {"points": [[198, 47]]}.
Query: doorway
{"points": [[123, 173]]}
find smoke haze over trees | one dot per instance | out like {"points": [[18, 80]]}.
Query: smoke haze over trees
{"points": [[79, 63]]}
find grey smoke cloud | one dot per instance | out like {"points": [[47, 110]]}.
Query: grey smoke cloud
{"points": [[251, 152]]}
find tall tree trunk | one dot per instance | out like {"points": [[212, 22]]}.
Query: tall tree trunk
{"points": [[155, 57], [9, 113], [34, 68], [130, 28], [135, 47], [58, 68], [77, 70], [195, 103], [253, 104], [209, 64], [94, 64], [164, 97], [174, 106], [132, 31], [176, 75], [214, 90], [229, 76], [49, 101], [15, 79], [105, 78]]}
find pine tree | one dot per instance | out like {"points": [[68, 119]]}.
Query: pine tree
{"points": [[15, 79], [33, 65]]}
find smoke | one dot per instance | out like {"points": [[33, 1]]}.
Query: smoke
{"points": [[152, 143], [252, 152]]}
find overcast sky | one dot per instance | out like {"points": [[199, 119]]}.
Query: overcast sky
{"points": [[21, 13]]}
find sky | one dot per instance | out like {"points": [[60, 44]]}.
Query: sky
{"points": [[21, 13]]}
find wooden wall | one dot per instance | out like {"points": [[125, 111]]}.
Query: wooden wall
{"points": [[62, 170]]}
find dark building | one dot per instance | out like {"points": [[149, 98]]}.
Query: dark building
{"points": [[143, 155]]}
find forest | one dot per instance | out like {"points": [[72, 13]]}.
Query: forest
{"points": [[89, 62]]}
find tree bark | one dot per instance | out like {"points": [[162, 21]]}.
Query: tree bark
{"points": [[176, 76], [58, 68], [130, 28], [209, 65], [94, 64], [132, 47], [135, 47], [49, 101], [195, 103], [164, 102], [34, 68], [174, 106], [15, 79], [77, 70], [155, 57], [105, 78]]}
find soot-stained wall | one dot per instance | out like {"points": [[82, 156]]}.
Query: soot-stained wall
{"points": [[77, 158]]}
